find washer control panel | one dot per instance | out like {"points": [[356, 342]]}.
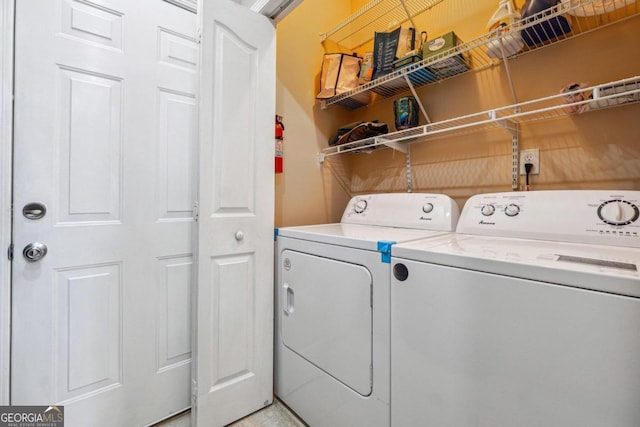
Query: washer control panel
{"points": [[580, 216], [406, 210]]}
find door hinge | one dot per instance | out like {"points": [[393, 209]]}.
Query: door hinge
{"points": [[196, 211], [10, 252]]}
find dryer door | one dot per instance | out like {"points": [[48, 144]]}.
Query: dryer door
{"points": [[327, 316]]}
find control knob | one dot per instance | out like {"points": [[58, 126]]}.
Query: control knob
{"points": [[427, 208], [488, 210], [618, 212], [512, 210], [360, 206]]}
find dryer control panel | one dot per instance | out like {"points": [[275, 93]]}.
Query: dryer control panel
{"points": [[404, 210], [579, 216]]}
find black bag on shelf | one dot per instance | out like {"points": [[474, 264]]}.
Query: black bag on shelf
{"points": [[358, 131], [341, 131], [533, 10], [385, 46]]}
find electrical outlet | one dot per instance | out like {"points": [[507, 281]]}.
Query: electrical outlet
{"points": [[530, 156]]}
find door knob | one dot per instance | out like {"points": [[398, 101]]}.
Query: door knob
{"points": [[34, 251], [239, 235]]}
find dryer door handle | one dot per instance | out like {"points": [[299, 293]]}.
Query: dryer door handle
{"points": [[288, 299]]}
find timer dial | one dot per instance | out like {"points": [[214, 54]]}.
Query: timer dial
{"points": [[428, 207], [512, 210], [618, 212], [360, 206], [487, 210]]}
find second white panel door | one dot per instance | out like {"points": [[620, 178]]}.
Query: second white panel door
{"points": [[105, 139]]}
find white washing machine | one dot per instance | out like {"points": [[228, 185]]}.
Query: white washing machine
{"points": [[528, 316], [332, 306]]}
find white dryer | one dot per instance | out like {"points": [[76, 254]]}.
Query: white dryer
{"points": [[528, 316], [332, 306]]}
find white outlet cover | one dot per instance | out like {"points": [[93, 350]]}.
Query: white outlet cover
{"points": [[530, 156]]}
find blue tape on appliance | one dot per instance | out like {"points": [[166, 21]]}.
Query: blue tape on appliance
{"points": [[384, 247]]}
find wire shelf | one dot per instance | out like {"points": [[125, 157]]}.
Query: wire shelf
{"points": [[377, 15], [524, 36], [577, 101]]}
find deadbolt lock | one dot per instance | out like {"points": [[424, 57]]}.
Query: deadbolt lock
{"points": [[34, 210]]}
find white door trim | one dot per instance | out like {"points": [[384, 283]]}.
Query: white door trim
{"points": [[190, 5], [6, 132]]}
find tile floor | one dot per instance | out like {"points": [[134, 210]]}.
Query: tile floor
{"points": [[275, 415]]}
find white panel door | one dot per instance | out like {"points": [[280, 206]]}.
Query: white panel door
{"points": [[105, 138], [234, 302]]}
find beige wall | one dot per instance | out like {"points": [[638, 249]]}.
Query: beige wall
{"points": [[307, 192], [592, 150]]}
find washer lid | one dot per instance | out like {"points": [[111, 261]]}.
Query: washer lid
{"points": [[597, 267], [355, 235]]}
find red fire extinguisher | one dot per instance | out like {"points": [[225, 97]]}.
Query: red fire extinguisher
{"points": [[279, 141]]}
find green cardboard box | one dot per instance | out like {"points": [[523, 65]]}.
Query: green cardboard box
{"points": [[450, 66]]}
